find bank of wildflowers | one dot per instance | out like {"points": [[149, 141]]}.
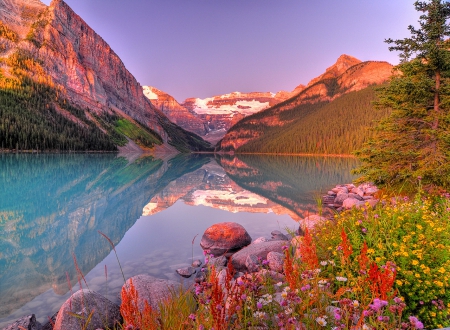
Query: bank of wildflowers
{"points": [[382, 268]]}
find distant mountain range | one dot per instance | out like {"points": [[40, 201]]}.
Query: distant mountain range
{"points": [[222, 117]]}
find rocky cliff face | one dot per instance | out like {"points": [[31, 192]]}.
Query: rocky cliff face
{"points": [[348, 74], [79, 63]]}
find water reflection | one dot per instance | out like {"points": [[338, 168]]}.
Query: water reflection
{"points": [[52, 207]]}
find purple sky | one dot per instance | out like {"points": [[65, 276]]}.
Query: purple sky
{"points": [[201, 48]]}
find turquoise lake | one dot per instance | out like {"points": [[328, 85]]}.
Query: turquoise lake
{"points": [[53, 208]]}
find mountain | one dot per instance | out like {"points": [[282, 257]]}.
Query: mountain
{"points": [[75, 90], [212, 117], [333, 110]]}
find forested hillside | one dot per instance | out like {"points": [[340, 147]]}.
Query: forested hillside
{"points": [[337, 127]]}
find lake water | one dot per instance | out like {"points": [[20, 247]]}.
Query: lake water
{"points": [[52, 208]]}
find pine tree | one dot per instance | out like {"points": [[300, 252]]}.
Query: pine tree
{"points": [[413, 143]]}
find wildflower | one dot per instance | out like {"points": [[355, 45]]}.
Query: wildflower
{"points": [[305, 287], [323, 263], [322, 283], [355, 303], [259, 315], [341, 279], [364, 230], [259, 305], [192, 317], [366, 327], [279, 284], [415, 322], [244, 297], [378, 304], [321, 321], [288, 311]]}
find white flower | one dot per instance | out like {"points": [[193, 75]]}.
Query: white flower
{"points": [[366, 327], [284, 294], [341, 279], [287, 289], [288, 311], [279, 284], [259, 315], [331, 262], [323, 263], [355, 303], [322, 283], [321, 321]]}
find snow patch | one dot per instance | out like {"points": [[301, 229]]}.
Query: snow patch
{"points": [[243, 198], [149, 93], [250, 106]]}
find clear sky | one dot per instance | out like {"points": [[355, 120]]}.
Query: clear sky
{"points": [[201, 48]]}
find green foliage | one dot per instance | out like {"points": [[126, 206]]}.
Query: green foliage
{"points": [[413, 235], [183, 140], [338, 127], [414, 141], [140, 135], [31, 113]]}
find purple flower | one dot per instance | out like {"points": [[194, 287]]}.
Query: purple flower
{"points": [[378, 304], [244, 297], [364, 230], [192, 317], [265, 262], [258, 305], [306, 287]]}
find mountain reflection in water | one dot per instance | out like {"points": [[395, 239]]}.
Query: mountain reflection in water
{"points": [[52, 207]]}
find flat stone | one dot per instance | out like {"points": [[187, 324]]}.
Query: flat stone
{"points": [[331, 193], [196, 263], [87, 304], [186, 271], [27, 322], [311, 221], [276, 261], [225, 237], [355, 196], [259, 250], [151, 289]]}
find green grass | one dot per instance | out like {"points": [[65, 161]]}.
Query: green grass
{"points": [[142, 137]]}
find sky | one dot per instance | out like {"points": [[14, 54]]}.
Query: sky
{"points": [[202, 48]]}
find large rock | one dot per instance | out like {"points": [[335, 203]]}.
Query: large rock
{"points": [[259, 250], [276, 261], [151, 289], [74, 313], [225, 237], [350, 203], [27, 322]]}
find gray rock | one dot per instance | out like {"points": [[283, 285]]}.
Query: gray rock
{"points": [[260, 239], [276, 261], [27, 322], [370, 190], [355, 196], [196, 263], [252, 263], [218, 262], [186, 271], [279, 236], [201, 276], [224, 237], [84, 303], [340, 198], [331, 193], [259, 250], [151, 289]]}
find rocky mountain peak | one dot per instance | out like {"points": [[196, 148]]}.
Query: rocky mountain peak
{"points": [[342, 64]]}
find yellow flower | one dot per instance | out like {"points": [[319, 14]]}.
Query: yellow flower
{"points": [[370, 251], [441, 270], [419, 227], [417, 275], [415, 262], [399, 283]]}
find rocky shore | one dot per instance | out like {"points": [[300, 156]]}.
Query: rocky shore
{"points": [[223, 243]]}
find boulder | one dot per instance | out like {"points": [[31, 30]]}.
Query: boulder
{"points": [[340, 198], [355, 196], [151, 289], [350, 203], [74, 314], [258, 250], [252, 263], [260, 239], [276, 261], [310, 222], [27, 322], [225, 237], [218, 262], [196, 263], [186, 271]]}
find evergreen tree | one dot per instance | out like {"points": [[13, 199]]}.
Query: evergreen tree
{"points": [[414, 141]]}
